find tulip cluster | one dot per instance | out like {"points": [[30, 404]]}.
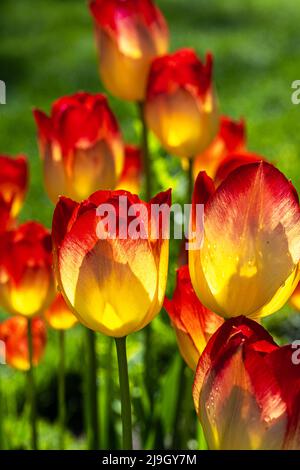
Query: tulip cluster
{"points": [[243, 246]]}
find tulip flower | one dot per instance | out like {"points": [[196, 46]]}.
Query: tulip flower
{"points": [[14, 334], [80, 145], [59, 316], [130, 179], [115, 285], [129, 34], [26, 277], [247, 390], [13, 181], [113, 277], [295, 298], [181, 106], [230, 139], [243, 258], [194, 324]]}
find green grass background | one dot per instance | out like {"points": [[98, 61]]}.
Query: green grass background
{"points": [[46, 51]]}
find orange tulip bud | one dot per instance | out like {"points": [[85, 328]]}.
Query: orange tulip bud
{"points": [[295, 298], [129, 34], [131, 176], [14, 334], [114, 282], [59, 316], [13, 182], [26, 277], [230, 139], [247, 390], [193, 323], [247, 260], [80, 145], [181, 106]]}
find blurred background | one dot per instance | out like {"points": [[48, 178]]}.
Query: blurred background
{"points": [[47, 50]]}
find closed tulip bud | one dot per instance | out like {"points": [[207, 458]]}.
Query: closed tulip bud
{"points": [[112, 276], [26, 276], [181, 106], [13, 182], [59, 316], [131, 176], [230, 139], [194, 324], [244, 257], [14, 334], [129, 34], [295, 298], [247, 390], [80, 145]]}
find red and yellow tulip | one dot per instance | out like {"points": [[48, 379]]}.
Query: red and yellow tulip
{"points": [[230, 139], [13, 182], [59, 316], [114, 284], [194, 324], [26, 276], [247, 390], [129, 34], [181, 106], [247, 242], [14, 334], [80, 145]]}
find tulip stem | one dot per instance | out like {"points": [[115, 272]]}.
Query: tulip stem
{"points": [[145, 152], [61, 389], [190, 179], [31, 389], [125, 393], [2, 447], [92, 393], [178, 405]]}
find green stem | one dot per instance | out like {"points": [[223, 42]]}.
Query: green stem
{"points": [[176, 439], [190, 180], [106, 397], [31, 390], [2, 447], [145, 152], [61, 390], [148, 363], [125, 393], [92, 395]]}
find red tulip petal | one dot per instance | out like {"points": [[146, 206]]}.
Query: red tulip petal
{"points": [[182, 69], [232, 162]]}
